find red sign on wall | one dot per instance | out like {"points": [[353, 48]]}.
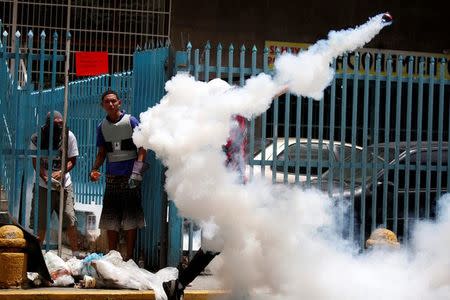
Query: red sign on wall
{"points": [[91, 63]]}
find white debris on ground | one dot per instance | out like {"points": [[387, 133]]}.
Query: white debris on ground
{"points": [[104, 271]]}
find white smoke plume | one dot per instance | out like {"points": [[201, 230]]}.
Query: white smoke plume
{"points": [[308, 73], [279, 242]]}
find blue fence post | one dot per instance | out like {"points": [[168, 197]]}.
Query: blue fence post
{"points": [[419, 134], [429, 135], [14, 196]]}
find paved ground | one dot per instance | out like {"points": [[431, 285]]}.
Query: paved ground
{"points": [[206, 282], [97, 294], [203, 287]]}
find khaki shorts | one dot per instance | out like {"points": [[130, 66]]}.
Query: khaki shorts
{"points": [[69, 218]]}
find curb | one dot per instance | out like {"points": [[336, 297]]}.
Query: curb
{"points": [[98, 294]]}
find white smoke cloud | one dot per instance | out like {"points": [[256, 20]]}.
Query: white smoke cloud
{"points": [[279, 242], [308, 73]]}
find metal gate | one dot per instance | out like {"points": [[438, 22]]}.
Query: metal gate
{"points": [[378, 139], [24, 105], [149, 77], [383, 121]]}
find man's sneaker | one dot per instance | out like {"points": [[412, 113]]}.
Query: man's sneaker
{"points": [[174, 290]]}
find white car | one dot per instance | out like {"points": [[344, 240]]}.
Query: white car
{"points": [[297, 158]]}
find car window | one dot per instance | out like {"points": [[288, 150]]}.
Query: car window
{"points": [[433, 156], [259, 145], [356, 172], [303, 152], [422, 177], [347, 152], [303, 156], [390, 152]]}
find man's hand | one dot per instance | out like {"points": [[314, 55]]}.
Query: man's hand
{"points": [[56, 175], [94, 175], [139, 168], [56, 184]]}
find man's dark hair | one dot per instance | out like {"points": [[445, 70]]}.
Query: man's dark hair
{"points": [[109, 92]]}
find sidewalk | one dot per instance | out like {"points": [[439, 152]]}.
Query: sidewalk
{"points": [[97, 294], [203, 287]]}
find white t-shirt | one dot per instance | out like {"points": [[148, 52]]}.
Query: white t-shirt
{"points": [[72, 151]]}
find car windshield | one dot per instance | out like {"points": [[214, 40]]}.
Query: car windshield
{"points": [[357, 171], [304, 153], [314, 153], [259, 145], [382, 151]]}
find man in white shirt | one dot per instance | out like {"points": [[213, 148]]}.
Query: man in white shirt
{"points": [[69, 219]]}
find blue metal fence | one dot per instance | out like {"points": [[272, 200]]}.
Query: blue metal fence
{"points": [[361, 143], [24, 106], [20, 113], [149, 77], [376, 119]]}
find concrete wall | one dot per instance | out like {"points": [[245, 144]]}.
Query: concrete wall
{"points": [[419, 26]]}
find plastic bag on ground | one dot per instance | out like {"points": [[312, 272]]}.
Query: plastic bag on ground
{"points": [[115, 273], [75, 266], [87, 268], [59, 271]]}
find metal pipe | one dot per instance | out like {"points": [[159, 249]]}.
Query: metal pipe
{"points": [[64, 136], [13, 40]]}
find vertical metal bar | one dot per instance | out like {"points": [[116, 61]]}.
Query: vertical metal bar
{"points": [[3, 104], [242, 66], [387, 139], [14, 62], [375, 141], [51, 153], [54, 53], [398, 116], [264, 117], [219, 61], [175, 230], [419, 138], [331, 154], [308, 148], [29, 114], [364, 166], [38, 152], [354, 136], [320, 159], [207, 58], [429, 136], [342, 167], [30, 61], [230, 64], [64, 136], [408, 147], [440, 129], [448, 156], [252, 121], [190, 239], [189, 58], [196, 63], [298, 124], [286, 159], [275, 132], [16, 180]]}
